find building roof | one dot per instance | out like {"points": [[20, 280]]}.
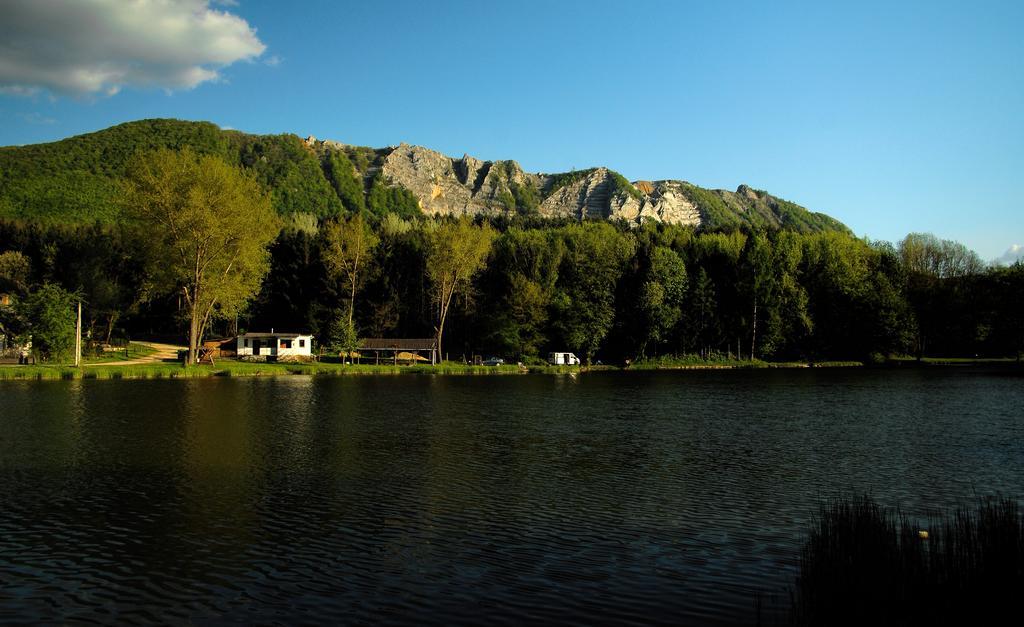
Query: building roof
{"points": [[285, 336], [397, 344]]}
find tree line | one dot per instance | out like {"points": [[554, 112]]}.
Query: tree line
{"points": [[202, 253]]}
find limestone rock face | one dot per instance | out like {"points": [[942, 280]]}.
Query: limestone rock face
{"points": [[666, 202], [469, 186], [430, 176], [597, 196], [447, 186], [586, 197]]}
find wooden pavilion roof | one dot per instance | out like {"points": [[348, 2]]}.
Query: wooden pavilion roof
{"points": [[397, 344]]}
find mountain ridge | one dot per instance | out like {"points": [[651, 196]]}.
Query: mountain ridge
{"points": [[76, 180]]}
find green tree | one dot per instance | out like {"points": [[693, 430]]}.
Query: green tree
{"points": [[584, 304], [701, 316], [207, 225], [456, 251], [342, 336], [662, 292], [936, 274], [348, 246], [522, 278], [15, 272], [50, 313]]}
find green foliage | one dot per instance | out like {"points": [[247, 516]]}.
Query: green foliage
{"points": [[661, 297], [207, 226], [348, 246], [525, 271], [78, 179], [385, 198], [925, 255], [50, 312], [557, 181], [584, 301], [15, 270], [527, 199], [342, 336], [714, 213], [506, 200], [761, 275], [363, 157], [622, 184], [291, 170], [456, 251], [607, 292], [75, 179], [342, 175]]}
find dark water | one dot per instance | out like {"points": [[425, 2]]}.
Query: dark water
{"points": [[610, 498]]}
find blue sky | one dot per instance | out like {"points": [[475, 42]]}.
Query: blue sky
{"points": [[892, 117]]}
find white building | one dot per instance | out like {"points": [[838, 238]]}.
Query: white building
{"points": [[275, 345]]}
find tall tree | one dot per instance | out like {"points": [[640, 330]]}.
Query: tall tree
{"points": [[662, 291], [522, 277], [456, 251], [701, 315], [208, 226], [51, 321], [584, 303], [15, 272], [348, 245]]}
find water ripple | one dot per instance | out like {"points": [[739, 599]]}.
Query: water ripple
{"points": [[657, 498]]}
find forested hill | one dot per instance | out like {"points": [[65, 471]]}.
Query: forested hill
{"points": [[76, 180]]}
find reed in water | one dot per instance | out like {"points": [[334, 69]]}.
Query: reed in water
{"points": [[864, 564]]}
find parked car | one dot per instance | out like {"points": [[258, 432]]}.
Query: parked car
{"points": [[493, 361]]}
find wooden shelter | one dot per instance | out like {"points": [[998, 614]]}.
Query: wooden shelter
{"points": [[405, 349]]}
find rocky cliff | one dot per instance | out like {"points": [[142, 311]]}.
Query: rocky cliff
{"points": [[468, 186]]}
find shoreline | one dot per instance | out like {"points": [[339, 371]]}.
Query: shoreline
{"points": [[174, 370]]}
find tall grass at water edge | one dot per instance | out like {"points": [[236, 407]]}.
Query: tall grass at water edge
{"points": [[863, 564]]}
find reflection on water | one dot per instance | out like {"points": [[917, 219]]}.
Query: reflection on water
{"points": [[611, 498]]}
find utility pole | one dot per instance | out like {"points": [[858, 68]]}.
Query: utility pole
{"points": [[78, 336]]}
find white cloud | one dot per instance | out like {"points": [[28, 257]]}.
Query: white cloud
{"points": [[36, 118], [18, 90], [1012, 254], [86, 47], [273, 60]]}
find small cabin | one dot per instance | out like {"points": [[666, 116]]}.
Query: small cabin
{"points": [[274, 345]]}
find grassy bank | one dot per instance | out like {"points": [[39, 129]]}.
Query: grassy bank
{"points": [[864, 564], [953, 361], [696, 362], [226, 368], [133, 351], [230, 368]]}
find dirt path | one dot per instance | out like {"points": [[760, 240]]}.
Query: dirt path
{"points": [[164, 352]]}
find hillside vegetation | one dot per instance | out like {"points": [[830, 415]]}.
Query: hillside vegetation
{"points": [[76, 180]]}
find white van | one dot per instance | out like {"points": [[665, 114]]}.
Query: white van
{"points": [[563, 359]]}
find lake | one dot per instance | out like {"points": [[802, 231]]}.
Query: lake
{"points": [[613, 498]]}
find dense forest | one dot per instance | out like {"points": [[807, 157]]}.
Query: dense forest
{"points": [[605, 290]]}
